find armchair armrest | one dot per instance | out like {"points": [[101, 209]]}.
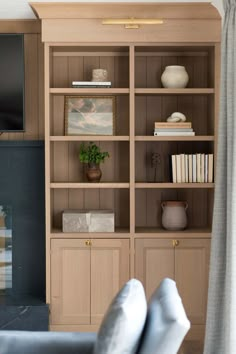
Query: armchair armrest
{"points": [[23, 342]]}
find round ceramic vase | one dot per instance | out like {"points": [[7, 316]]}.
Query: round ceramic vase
{"points": [[174, 216], [175, 76]]}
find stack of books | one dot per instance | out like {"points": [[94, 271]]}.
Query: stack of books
{"points": [[196, 168], [173, 129], [91, 84]]}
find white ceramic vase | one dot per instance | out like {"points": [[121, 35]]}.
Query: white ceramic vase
{"points": [[174, 76], [174, 216]]}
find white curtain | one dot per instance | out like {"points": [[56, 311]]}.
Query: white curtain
{"points": [[221, 313]]}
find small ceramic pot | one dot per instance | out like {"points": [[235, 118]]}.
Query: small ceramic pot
{"points": [[174, 76], [99, 75], [93, 173], [174, 216]]}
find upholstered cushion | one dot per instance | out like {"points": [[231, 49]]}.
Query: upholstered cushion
{"points": [[124, 321], [166, 324]]}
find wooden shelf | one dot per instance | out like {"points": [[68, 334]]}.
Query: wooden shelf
{"points": [[125, 91], [100, 185], [173, 185], [175, 138], [153, 232], [165, 91], [127, 138], [90, 138], [120, 185], [84, 91], [140, 232], [119, 233]]}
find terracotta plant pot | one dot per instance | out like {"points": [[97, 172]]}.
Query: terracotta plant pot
{"points": [[93, 172]]}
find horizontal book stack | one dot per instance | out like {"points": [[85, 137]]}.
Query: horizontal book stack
{"points": [[196, 168], [173, 129], [91, 84]]}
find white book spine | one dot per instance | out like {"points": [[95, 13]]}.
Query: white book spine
{"points": [[174, 133], [182, 158], [190, 168], [91, 83], [173, 130], [206, 169], [178, 168], [199, 168], [210, 168], [194, 168], [174, 172], [202, 168], [186, 169]]}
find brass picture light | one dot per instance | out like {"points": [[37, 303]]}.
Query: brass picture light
{"points": [[132, 23]]}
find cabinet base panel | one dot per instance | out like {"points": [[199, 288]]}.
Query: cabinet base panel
{"points": [[74, 328]]}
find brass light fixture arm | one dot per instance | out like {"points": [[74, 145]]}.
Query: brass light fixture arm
{"points": [[132, 23]]}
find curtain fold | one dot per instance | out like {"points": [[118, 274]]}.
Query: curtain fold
{"points": [[221, 312]]}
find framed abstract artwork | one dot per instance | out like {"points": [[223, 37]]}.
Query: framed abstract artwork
{"points": [[89, 115]]}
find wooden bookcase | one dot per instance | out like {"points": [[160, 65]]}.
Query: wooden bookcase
{"points": [[135, 60]]}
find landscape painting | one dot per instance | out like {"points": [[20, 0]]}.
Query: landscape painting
{"points": [[89, 115]]}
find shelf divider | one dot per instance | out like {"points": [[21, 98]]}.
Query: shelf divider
{"points": [[84, 91], [154, 232], [168, 91], [90, 138], [100, 185], [150, 185], [119, 233], [175, 138]]}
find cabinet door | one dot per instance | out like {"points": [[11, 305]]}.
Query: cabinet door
{"points": [[70, 280], [109, 272], [154, 260], [191, 275]]}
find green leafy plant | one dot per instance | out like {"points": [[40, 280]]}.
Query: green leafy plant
{"points": [[91, 154]]}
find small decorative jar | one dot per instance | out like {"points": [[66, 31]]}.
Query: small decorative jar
{"points": [[174, 76], [174, 216], [99, 75]]}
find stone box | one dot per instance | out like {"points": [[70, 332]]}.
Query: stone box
{"points": [[88, 221]]}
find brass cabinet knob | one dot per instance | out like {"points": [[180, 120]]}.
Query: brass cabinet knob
{"points": [[88, 242], [175, 243]]}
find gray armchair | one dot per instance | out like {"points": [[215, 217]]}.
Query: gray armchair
{"points": [[22, 342], [164, 328]]}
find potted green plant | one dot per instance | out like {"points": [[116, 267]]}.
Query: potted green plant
{"points": [[92, 156]]}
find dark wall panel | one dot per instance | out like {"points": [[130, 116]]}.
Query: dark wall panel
{"points": [[22, 187]]}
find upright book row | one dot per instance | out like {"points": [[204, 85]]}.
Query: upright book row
{"points": [[196, 168]]}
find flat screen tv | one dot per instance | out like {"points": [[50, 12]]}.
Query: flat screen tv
{"points": [[11, 82]]}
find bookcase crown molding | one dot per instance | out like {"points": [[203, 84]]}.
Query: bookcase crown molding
{"points": [[64, 22], [62, 10]]}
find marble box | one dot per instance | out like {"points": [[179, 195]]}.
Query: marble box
{"points": [[88, 221]]}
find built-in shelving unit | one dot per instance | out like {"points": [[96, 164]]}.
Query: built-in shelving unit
{"points": [[129, 186], [135, 61]]}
